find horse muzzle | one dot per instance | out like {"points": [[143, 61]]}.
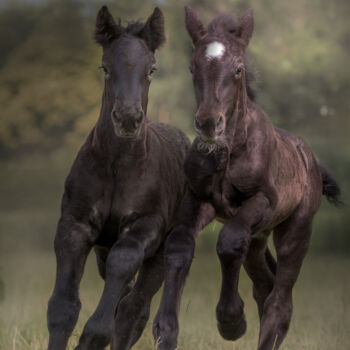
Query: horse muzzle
{"points": [[127, 125], [209, 129]]}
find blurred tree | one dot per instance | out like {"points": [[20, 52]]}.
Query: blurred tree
{"points": [[48, 81], [51, 87], [16, 24]]}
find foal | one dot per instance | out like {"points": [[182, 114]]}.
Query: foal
{"points": [[253, 177], [120, 197]]}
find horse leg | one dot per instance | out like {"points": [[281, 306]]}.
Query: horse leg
{"points": [[232, 247], [101, 258], [178, 254], [291, 240], [134, 309], [258, 269], [72, 246], [123, 261]]}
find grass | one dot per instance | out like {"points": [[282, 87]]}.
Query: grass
{"points": [[321, 317], [29, 206]]}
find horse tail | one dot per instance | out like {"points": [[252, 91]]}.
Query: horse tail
{"points": [[330, 188], [271, 262]]}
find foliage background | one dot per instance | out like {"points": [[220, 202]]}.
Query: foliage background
{"points": [[50, 94]]}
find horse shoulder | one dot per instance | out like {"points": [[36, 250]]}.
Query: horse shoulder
{"points": [[87, 187], [251, 168]]}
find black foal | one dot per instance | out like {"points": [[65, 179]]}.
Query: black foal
{"points": [[121, 196]]}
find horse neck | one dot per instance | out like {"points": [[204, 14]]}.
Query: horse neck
{"points": [[236, 130], [113, 147]]}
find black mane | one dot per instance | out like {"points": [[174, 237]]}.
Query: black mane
{"points": [[251, 79]]}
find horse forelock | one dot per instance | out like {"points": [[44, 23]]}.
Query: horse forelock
{"points": [[223, 24], [134, 28]]}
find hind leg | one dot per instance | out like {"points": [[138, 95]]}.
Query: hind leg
{"points": [[291, 240], [134, 309], [179, 249], [260, 270]]}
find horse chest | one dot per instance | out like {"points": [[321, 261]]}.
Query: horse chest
{"points": [[132, 192], [225, 198], [133, 196], [206, 175], [202, 173]]}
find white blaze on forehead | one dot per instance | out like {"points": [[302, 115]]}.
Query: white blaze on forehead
{"points": [[215, 50]]}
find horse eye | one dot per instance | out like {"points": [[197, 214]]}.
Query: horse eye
{"points": [[149, 75], [238, 72], [104, 69], [153, 69]]}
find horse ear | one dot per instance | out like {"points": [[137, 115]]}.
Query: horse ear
{"points": [[153, 31], [106, 29], [246, 27], [194, 26]]}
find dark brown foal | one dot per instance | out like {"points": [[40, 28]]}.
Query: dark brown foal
{"points": [[253, 177]]}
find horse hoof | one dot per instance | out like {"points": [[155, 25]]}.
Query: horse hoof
{"points": [[233, 330]]}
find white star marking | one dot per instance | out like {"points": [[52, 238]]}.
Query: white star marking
{"points": [[215, 50]]}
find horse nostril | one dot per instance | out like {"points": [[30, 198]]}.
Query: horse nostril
{"points": [[219, 122], [115, 116], [197, 124], [139, 119]]}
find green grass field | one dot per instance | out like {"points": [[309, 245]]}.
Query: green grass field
{"points": [[321, 319], [29, 207]]}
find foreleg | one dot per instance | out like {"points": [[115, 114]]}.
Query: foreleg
{"points": [[232, 247], [179, 250], [73, 243], [124, 260], [134, 309]]}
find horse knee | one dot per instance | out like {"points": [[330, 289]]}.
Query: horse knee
{"points": [[125, 259], [73, 236], [179, 249], [233, 242], [62, 313], [133, 306]]}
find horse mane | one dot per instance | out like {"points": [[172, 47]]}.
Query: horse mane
{"points": [[227, 25], [250, 78]]}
